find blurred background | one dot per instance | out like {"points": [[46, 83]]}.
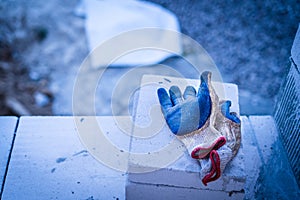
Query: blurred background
{"points": [[42, 45]]}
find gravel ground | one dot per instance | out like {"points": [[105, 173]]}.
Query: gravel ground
{"points": [[249, 41], [47, 39]]}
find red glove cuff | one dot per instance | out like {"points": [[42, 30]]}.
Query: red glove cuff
{"points": [[200, 152], [215, 172]]}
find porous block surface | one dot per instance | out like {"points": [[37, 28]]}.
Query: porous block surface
{"points": [[142, 191], [7, 129], [50, 162], [276, 179]]}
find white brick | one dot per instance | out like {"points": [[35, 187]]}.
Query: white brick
{"points": [[165, 158], [7, 128], [252, 160], [265, 134], [275, 166], [49, 161]]}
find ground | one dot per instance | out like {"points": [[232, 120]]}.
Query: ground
{"points": [[43, 44]]}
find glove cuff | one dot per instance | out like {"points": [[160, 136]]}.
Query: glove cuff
{"points": [[200, 142], [200, 151], [215, 171]]}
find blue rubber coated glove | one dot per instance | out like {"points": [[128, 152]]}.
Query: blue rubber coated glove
{"points": [[187, 113], [204, 124], [225, 109], [188, 116]]}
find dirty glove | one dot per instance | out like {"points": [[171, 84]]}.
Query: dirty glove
{"points": [[187, 117], [203, 125]]}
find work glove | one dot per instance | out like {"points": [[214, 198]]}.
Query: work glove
{"points": [[194, 118]]}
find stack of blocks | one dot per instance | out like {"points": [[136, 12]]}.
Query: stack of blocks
{"points": [[167, 171], [50, 160]]}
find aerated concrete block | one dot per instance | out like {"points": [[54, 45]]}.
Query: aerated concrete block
{"points": [[164, 160], [143, 191], [276, 179], [252, 159], [49, 161], [7, 130]]}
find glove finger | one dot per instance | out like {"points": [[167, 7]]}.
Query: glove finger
{"points": [[204, 98], [175, 95], [164, 100], [225, 109], [203, 88], [189, 92]]}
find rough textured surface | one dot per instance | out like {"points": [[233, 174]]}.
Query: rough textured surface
{"points": [[287, 111], [7, 130], [276, 179], [133, 191], [49, 162], [252, 159]]}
